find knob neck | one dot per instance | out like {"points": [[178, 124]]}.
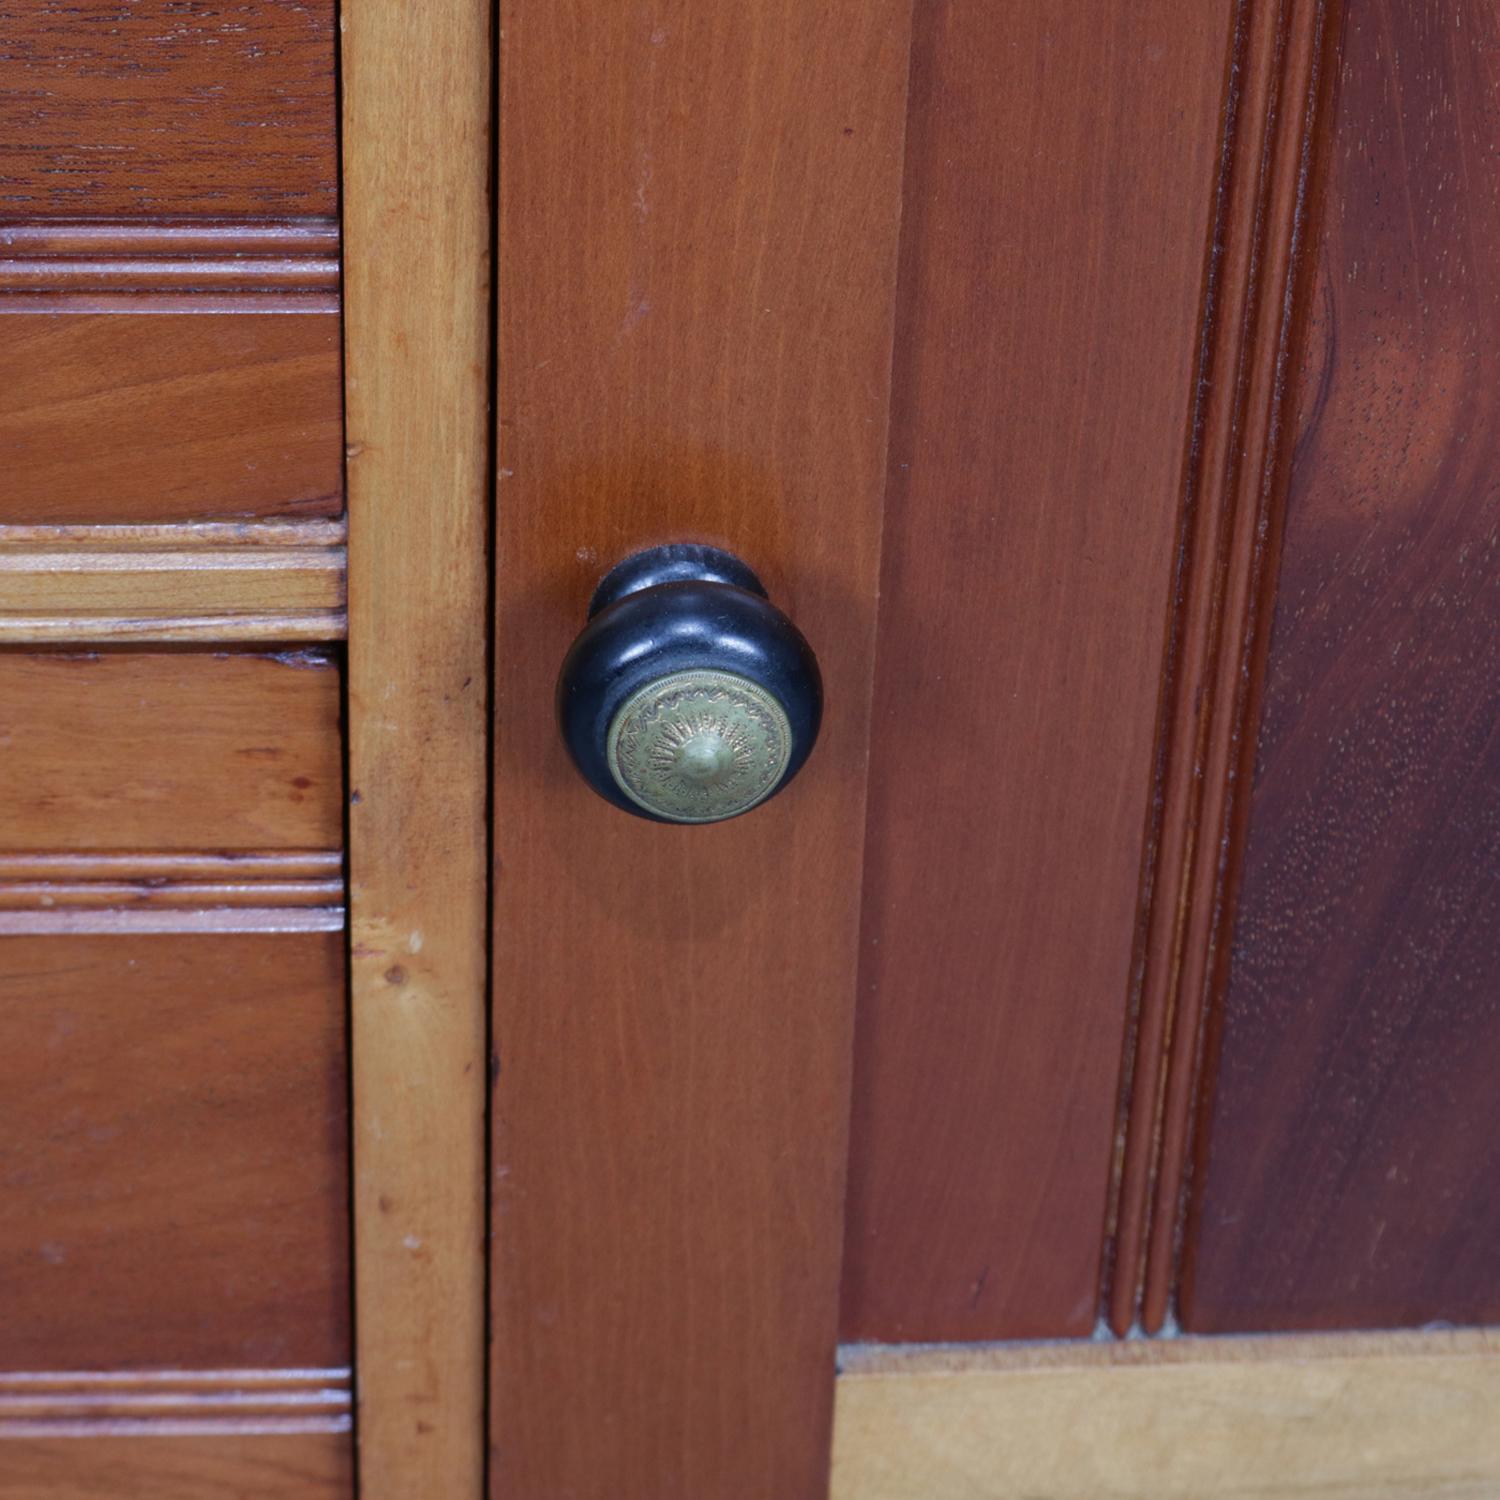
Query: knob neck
{"points": [[677, 562]]}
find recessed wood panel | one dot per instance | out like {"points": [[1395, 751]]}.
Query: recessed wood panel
{"points": [[1352, 1173], [698, 223], [1060, 183], [174, 1152], [160, 107], [170, 750], [142, 413]]}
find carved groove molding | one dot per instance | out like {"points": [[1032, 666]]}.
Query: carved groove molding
{"points": [[168, 265], [86, 893], [230, 582], [172, 1403], [1234, 488]]}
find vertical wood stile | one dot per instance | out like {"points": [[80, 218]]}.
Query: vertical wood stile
{"points": [[698, 213], [416, 114]]}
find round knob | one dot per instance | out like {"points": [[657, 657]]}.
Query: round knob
{"points": [[689, 697]]}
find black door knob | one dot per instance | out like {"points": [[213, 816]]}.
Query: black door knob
{"points": [[689, 697]]}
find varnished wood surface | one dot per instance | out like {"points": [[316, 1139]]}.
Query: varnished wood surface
{"points": [[156, 107], [418, 235], [199, 882], [267, 582], [1371, 1417], [1352, 1176], [186, 240], [178, 1403], [192, 410], [1060, 180], [1254, 316], [170, 751], [255, 1466], [698, 223], [174, 1153], [294, 255]]}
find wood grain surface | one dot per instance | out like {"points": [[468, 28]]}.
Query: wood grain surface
{"points": [[196, 409], [418, 240], [174, 1153], [1352, 1176], [1368, 1417], [170, 751], [698, 220], [1253, 323], [159, 107], [289, 255], [267, 582], [255, 1466], [136, 879], [179, 1403], [1060, 182]]}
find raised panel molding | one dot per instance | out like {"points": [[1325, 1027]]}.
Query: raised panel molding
{"points": [[289, 257], [172, 1403], [1254, 315], [177, 1435]]}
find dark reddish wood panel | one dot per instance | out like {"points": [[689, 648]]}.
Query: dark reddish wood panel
{"points": [[698, 220], [1059, 188], [170, 750], [1353, 1161], [160, 106], [140, 414], [174, 1152]]}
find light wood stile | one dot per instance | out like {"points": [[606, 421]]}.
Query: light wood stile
{"points": [[416, 268]]}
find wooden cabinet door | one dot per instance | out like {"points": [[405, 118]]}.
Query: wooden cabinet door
{"points": [[1077, 1081], [1104, 390]]}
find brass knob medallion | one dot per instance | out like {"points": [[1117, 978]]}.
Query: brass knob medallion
{"points": [[688, 697], [699, 746]]}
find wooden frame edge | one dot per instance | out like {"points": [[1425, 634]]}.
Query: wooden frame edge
{"points": [[417, 244], [1378, 1415]]}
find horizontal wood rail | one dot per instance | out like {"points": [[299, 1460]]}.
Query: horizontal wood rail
{"points": [[1381, 1416], [273, 581]]}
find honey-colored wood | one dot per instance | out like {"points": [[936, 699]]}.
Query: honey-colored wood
{"points": [[169, 409], [698, 222], [417, 253], [169, 751], [117, 583], [157, 107], [1365, 1417], [1060, 180], [174, 1153], [1253, 317]]}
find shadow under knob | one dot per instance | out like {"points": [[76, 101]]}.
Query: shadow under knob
{"points": [[689, 697]]}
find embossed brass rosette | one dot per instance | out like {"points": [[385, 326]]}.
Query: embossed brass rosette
{"points": [[699, 746]]}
